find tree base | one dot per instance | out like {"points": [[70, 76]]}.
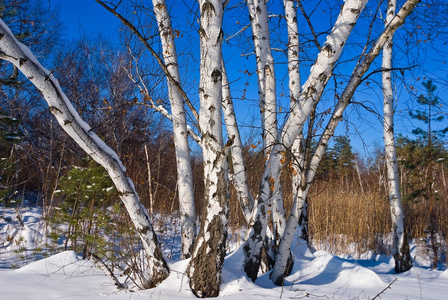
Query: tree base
{"points": [[403, 261]]}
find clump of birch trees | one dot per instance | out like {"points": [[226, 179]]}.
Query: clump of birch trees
{"points": [[270, 230]]}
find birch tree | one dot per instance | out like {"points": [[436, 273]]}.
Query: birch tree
{"points": [[401, 252], [208, 256], [298, 148], [239, 178], [258, 15], [184, 173], [18, 54]]}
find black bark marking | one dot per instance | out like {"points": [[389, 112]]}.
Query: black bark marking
{"points": [[403, 261], [208, 8], [220, 36], [22, 61], [202, 33], [54, 110], [253, 260], [216, 76], [47, 78], [321, 77], [328, 49]]}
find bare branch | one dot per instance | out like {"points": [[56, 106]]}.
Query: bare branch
{"points": [[154, 54], [307, 18], [384, 290]]}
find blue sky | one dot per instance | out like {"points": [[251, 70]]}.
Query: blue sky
{"points": [[87, 17]]}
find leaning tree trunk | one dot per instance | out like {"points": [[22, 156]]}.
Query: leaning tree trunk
{"points": [[239, 177], [401, 253], [208, 255], [184, 172], [13, 51]]}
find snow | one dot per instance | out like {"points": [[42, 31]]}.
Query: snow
{"points": [[315, 275]]}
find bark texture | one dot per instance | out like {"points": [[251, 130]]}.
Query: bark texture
{"points": [[258, 15], [208, 256], [295, 88]]}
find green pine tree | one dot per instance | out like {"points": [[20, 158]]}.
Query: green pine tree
{"points": [[9, 135], [87, 207], [430, 113]]}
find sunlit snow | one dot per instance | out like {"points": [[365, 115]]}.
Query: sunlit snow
{"points": [[315, 275]]}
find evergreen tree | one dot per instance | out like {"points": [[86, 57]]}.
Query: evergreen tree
{"points": [[338, 160], [343, 155], [429, 114], [9, 135], [87, 205]]}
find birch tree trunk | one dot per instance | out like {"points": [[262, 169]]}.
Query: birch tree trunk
{"points": [[281, 263], [208, 256], [401, 252], [183, 159], [295, 89], [239, 168], [13, 51], [258, 14]]}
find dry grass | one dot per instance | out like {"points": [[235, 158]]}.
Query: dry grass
{"points": [[338, 220], [348, 221]]}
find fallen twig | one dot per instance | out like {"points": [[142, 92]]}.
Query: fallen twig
{"points": [[384, 290]]}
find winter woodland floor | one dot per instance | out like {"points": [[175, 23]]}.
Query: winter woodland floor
{"points": [[316, 275]]}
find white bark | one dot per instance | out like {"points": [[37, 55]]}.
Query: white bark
{"points": [[13, 51], [208, 256], [183, 159], [281, 263], [294, 92], [322, 69], [258, 14], [268, 103], [293, 51], [239, 170], [400, 251]]}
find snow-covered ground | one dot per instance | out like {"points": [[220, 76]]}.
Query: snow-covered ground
{"points": [[317, 275]]}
